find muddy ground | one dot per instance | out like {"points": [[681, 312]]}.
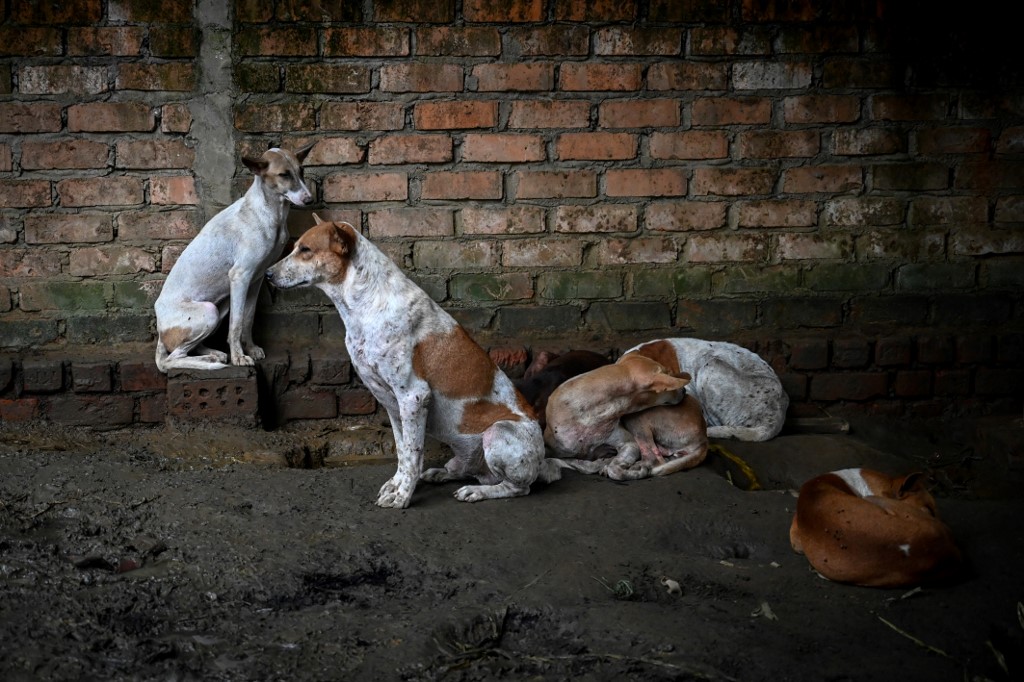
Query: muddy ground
{"points": [[198, 554]]}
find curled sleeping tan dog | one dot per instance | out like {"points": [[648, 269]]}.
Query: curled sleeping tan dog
{"points": [[671, 438], [550, 370], [423, 367], [862, 527], [740, 393], [584, 415], [220, 272]]}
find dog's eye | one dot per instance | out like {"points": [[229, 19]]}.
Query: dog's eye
{"points": [[286, 174], [304, 249]]}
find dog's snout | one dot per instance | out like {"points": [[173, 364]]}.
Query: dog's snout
{"points": [[270, 276]]}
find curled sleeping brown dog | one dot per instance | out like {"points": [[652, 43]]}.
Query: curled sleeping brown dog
{"points": [[862, 527], [550, 370]]}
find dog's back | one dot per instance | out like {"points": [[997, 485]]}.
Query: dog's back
{"points": [[862, 527], [539, 382]]}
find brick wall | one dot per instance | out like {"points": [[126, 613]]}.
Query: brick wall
{"points": [[826, 183]]}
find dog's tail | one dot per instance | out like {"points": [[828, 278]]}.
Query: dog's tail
{"points": [[747, 433]]}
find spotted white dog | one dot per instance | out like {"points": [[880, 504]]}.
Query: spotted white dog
{"points": [[739, 392], [423, 367]]}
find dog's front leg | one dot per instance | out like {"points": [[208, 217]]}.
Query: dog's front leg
{"points": [[627, 464], [240, 279], [409, 438], [252, 296]]}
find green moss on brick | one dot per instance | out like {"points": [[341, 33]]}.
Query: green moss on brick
{"points": [[672, 282], [750, 279], [258, 77], [848, 277], [492, 287], [567, 286]]}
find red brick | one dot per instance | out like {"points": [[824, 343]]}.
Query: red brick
{"points": [[821, 109], [91, 377], [30, 41], [19, 410], [329, 78], [549, 41], [175, 118], [6, 159], [679, 216], [722, 40], [591, 76], [448, 255], [24, 193], [42, 376], [687, 75], [771, 74], [990, 381], [453, 115], [148, 12], [384, 41], [597, 218], [111, 117], [276, 41], [154, 154], [361, 116], [718, 111], [858, 72], [334, 152], [405, 148], [152, 408], [849, 386], [732, 181], [503, 147], [779, 11], [909, 107], [797, 246], [556, 184], [105, 411], [173, 41], [522, 77], [806, 354], [68, 228], [277, 118], [868, 142], [25, 263], [935, 350], [818, 39], [596, 10], [948, 211], [637, 250], [356, 401], [625, 41], [138, 226], [646, 113], [306, 403], [108, 191], [638, 182], [1011, 141], [420, 11], [79, 12], [954, 141], [974, 349], [173, 77], [892, 351], [779, 144], [226, 394], [458, 41], [726, 248], [462, 185], [832, 179], [851, 353], [539, 253], [913, 383], [60, 79], [72, 153], [115, 260], [952, 382], [421, 77], [97, 41], [38, 117], [165, 190], [510, 11], [596, 146], [990, 175], [910, 176], [358, 187], [522, 219], [138, 375], [692, 144], [777, 213], [411, 222], [549, 114]]}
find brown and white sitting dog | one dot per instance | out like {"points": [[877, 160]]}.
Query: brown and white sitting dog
{"points": [[584, 415], [740, 393], [671, 438], [862, 527], [423, 367]]}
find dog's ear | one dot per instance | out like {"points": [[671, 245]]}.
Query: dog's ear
{"points": [[257, 166], [661, 382], [912, 482], [300, 154], [343, 241], [316, 219]]}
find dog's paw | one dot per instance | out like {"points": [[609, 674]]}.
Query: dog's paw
{"points": [[471, 493], [256, 353], [633, 473], [436, 475], [242, 361], [394, 495]]}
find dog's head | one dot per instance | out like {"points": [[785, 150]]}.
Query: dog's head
{"points": [[281, 171], [653, 384], [321, 256]]}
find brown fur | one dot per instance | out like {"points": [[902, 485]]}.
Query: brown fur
{"points": [[454, 364], [478, 416], [662, 353]]}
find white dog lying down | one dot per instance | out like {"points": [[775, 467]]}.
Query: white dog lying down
{"points": [[423, 367], [740, 393]]}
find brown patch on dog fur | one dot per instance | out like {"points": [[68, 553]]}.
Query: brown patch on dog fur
{"points": [[174, 337], [454, 364], [478, 416], [661, 352]]}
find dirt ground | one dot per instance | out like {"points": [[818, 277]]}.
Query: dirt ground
{"points": [[223, 554]]}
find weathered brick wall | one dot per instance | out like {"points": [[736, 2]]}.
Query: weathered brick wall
{"points": [[827, 183]]}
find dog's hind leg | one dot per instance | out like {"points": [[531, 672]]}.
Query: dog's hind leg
{"points": [[183, 330], [514, 453]]}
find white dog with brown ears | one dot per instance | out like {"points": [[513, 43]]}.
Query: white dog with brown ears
{"points": [[423, 367], [220, 272]]}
